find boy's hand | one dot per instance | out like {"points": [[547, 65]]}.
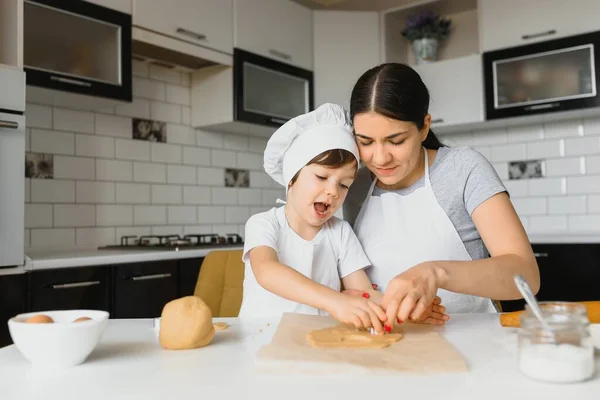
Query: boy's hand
{"points": [[357, 311]]}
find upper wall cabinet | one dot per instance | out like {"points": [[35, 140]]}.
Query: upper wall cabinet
{"points": [[277, 29], [208, 23], [123, 6], [510, 23]]}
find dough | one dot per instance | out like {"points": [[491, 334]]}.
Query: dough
{"points": [[349, 336], [186, 323], [221, 326]]}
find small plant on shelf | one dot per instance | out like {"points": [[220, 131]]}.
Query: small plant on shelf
{"points": [[424, 30]]}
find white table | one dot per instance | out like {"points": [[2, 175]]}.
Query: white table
{"points": [[129, 364]]}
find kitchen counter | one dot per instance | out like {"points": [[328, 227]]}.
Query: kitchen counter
{"points": [[129, 364], [564, 238], [65, 258]]}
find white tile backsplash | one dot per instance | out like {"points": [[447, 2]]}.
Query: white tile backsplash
{"points": [[509, 152], [114, 170], [196, 156], [210, 139], [181, 134], [165, 112], [211, 214], [567, 205], [525, 133], [584, 184], [583, 146], [546, 149], [164, 74], [95, 192], [138, 150], [530, 206], [250, 161], [73, 121], [490, 137], [38, 116], [186, 115], [150, 215], [149, 89], [197, 195], [249, 196], [166, 153], [547, 186], [181, 174], [516, 188], [593, 205], [178, 95], [167, 194], [584, 223], [52, 191], [114, 215], [94, 146], [74, 215], [45, 141], [39, 216], [95, 236], [235, 142], [211, 176], [148, 172], [113, 125], [138, 108], [183, 215], [52, 238], [565, 166], [562, 129], [257, 145], [223, 158], [133, 193], [74, 168], [547, 224], [237, 215], [592, 165]]}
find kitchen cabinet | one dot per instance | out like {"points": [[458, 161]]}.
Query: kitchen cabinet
{"points": [[11, 33], [188, 275], [67, 288], [208, 23], [277, 29], [455, 89], [142, 289], [511, 23], [123, 6], [346, 44], [13, 301], [569, 272]]}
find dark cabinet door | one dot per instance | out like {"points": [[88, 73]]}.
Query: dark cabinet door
{"points": [[70, 288], [13, 289], [188, 275], [142, 289]]}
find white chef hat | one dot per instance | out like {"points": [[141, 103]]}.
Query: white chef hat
{"points": [[306, 136]]}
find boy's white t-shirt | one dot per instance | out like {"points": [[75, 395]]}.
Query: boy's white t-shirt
{"points": [[334, 253]]}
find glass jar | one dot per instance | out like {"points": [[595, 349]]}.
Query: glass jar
{"points": [[564, 355]]}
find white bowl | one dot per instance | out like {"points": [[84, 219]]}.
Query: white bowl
{"points": [[63, 343], [595, 331]]}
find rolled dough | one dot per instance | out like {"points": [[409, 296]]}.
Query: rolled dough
{"points": [[348, 336]]}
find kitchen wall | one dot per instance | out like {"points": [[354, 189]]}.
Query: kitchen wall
{"points": [[566, 198], [95, 183]]}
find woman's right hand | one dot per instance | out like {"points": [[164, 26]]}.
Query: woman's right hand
{"points": [[357, 311]]}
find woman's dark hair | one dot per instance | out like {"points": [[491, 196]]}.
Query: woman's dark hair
{"points": [[335, 158], [395, 91]]}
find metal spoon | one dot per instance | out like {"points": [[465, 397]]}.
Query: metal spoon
{"points": [[525, 290]]}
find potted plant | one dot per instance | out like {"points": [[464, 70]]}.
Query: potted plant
{"points": [[425, 30]]}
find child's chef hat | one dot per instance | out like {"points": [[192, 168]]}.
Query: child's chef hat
{"points": [[306, 136]]}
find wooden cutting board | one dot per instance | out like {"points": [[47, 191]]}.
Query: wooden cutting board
{"points": [[422, 350]]}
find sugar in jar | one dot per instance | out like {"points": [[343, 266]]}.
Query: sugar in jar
{"points": [[564, 355]]}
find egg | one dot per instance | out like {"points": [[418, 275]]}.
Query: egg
{"points": [[81, 319], [39, 319]]}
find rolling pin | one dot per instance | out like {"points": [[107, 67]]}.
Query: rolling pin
{"points": [[512, 319]]}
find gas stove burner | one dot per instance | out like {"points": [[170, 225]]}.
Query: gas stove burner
{"points": [[176, 242]]}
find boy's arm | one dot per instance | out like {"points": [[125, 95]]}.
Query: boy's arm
{"points": [[359, 281]]}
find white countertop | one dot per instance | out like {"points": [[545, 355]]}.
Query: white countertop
{"points": [[129, 364]]}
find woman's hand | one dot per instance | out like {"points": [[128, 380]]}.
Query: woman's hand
{"points": [[357, 311], [434, 314]]}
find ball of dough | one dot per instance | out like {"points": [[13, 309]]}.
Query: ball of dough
{"points": [[186, 323]]}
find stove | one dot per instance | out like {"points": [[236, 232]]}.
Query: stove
{"points": [[176, 242]]}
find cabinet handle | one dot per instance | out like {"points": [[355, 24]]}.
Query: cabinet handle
{"points": [[280, 54], [149, 277], [540, 255], [189, 33], [540, 34], [278, 120], [437, 120], [9, 124], [71, 81], [75, 285]]}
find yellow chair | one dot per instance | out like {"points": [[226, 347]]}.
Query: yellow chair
{"points": [[221, 281]]}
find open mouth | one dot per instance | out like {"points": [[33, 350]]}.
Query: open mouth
{"points": [[321, 208]]}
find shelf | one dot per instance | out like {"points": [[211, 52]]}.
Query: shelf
{"points": [[462, 41]]}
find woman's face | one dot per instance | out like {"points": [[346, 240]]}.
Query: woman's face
{"points": [[390, 148]]}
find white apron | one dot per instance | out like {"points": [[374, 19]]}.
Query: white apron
{"points": [[399, 232]]}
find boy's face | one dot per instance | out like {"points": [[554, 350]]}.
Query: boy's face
{"points": [[320, 191]]}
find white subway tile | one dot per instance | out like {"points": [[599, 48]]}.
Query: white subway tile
{"points": [[593, 205], [114, 215], [132, 149], [224, 229], [525, 133], [73, 168], [592, 165], [484, 151], [74, 215], [95, 192], [186, 79], [132, 231], [501, 170], [181, 134], [517, 188], [38, 116], [94, 146], [490, 137], [583, 146], [196, 156], [38, 216], [167, 230], [258, 145], [213, 140], [567, 205], [139, 68], [52, 191], [545, 149], [43, 141], [74, 121], [530, 206], [545, 224], [509, 152], [167, 153], [257, 210], [236, 142], [164, 74], [165, 112], [27, 139], [150, 215], [181, 174], [250, 161], [197, 229], [224, 196], [223, 158], [196, 195], [211, 176], [133, 193], [525, 222], [270, 196], [178, 95], [138, 108], [591, 126], [27, 238], [250, 197], [457, 139], [166, 194], [184, 215], [211, 215], [114, 170], [259, 179], [237, 215], [583, 184], [52, 238], [584, 223], [148, 172], [562, 129], [112, 125], [27, 190], [186, 115], [547, 186], [149, 89], [95, 236], [565, 166]]}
